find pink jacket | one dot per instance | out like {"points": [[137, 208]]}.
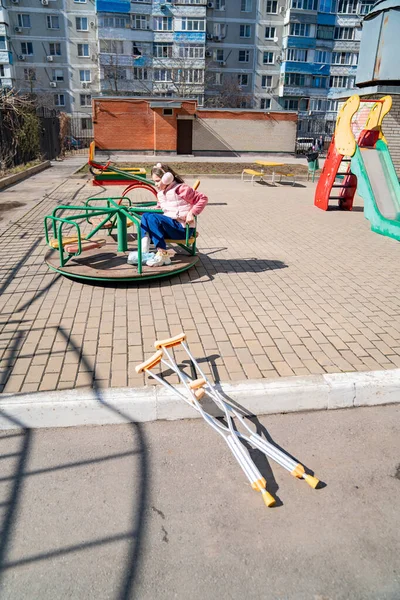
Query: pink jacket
{"points": [[178, 199]]}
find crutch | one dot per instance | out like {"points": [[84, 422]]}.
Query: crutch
{"points": [[296, 469], [196, 393]]}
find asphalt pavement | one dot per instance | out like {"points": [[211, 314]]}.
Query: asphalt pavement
{"points": [[161, 510]]}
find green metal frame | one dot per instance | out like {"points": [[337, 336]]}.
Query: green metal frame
{"points": [[111, 211]]}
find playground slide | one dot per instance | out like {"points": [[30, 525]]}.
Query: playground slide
{"points": [[379, 187]]}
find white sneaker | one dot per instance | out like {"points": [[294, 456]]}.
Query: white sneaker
{"points": [[159, 260]]}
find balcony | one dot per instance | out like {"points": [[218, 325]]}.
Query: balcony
{"points": [[300, 92]]}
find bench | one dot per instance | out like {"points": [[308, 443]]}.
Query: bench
{"points": [[286, 175], [253, 174], [70, 244], [191, 240]]}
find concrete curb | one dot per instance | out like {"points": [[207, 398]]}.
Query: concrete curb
{"points": [[259, 397], [11, 179]]}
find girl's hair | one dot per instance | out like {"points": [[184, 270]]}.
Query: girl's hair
{"points": [[160, 170]]}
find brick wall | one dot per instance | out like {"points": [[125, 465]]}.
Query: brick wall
{"points": [[391, 128], [130, 124]]}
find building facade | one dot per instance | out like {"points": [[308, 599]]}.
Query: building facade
{"points": [[264, 54]]}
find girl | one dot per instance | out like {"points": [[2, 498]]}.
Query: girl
{"points": [[180, 204]]}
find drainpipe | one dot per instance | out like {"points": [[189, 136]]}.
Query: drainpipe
{"points": [[154, 133]]}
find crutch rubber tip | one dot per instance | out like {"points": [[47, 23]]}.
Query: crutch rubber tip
{"points": [[173, 341], [312, 481], [150, 362], [259, 485], [298, 471], [268, 499]]}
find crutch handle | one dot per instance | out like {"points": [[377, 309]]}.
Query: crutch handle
{"points": [[197, 383], [173, 341], [312, 481], [150, 362]]}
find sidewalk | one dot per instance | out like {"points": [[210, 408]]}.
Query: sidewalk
{"points": [[281, 289], [163, 511]]}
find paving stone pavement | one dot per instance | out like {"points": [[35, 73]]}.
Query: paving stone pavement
{"points": [[281, 289]]}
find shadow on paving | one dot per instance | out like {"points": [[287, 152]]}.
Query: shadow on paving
{"points": [[17, 480]]}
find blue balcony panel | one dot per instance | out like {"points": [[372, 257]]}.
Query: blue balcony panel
{"points": [[300, 42], [115, 6], [305, 67], [326, 19], [190, 37]]}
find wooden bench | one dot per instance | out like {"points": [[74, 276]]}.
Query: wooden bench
{"points": [[70, 244], [253, 174], [286, 175]]}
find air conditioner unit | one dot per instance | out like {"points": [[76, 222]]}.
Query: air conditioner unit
{"points": [[210, 4], [18, 29], [50, 58], [53, 84], [21, 57], [92, 23], [282, 10], [45, 2], [15, 1], [86, 85], [209, 36], [208, 53], [217, 38], [94, 57]]}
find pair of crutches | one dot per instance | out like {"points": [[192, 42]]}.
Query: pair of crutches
{"points": [[196, 389]]}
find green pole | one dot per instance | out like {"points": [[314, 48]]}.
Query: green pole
{"points": [[122, 232]]}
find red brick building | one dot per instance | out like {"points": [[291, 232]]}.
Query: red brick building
{"points": [[177, 126]]}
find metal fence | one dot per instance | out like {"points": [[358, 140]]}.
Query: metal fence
{"points": [[79, 134]]}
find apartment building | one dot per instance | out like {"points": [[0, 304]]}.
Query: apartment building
{"points": [[49, 48], [264, 54]]}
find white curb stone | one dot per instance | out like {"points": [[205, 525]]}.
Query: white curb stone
{"points": [[258, 397]]}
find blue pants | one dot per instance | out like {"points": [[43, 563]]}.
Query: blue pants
{"points": [[159, 227]]}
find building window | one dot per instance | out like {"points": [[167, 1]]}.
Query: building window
{"points": [[80, 1], [168, 112], [189, 75], [296, 55], [220, 30], [332, 105], [191, 52], [83, 50], [219, 78], [55, 49], [53, 22], [162, 50], [59, 99], [243, 80], [2, 70], [299, 29], [245, 31], [304, 4], [342, 58], [219, 4], [296, 79], [325, 32], [347, 7], [327, 6], [266, 81], [319, 82], [365, 8], [140, 74], [27, 48], [57, 75], [344, 33], [270, 33], [139, 48], [323, 57], [291, 104], [29, 74], [340, 81], [117, 22], [86, 123], [268, 58], [85, 99], [162, 75], [163, 23], [271, 7], [265, 103], [246, 5], [318, 104], [219, 55], [111, 46], [244, 55], [24, 21], [81, 24], [3, 45], [191, 24], [141, 22], [84, 75], [113, 73]]}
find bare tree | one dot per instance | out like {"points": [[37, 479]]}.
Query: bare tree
{"points": [[227, 93]]}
